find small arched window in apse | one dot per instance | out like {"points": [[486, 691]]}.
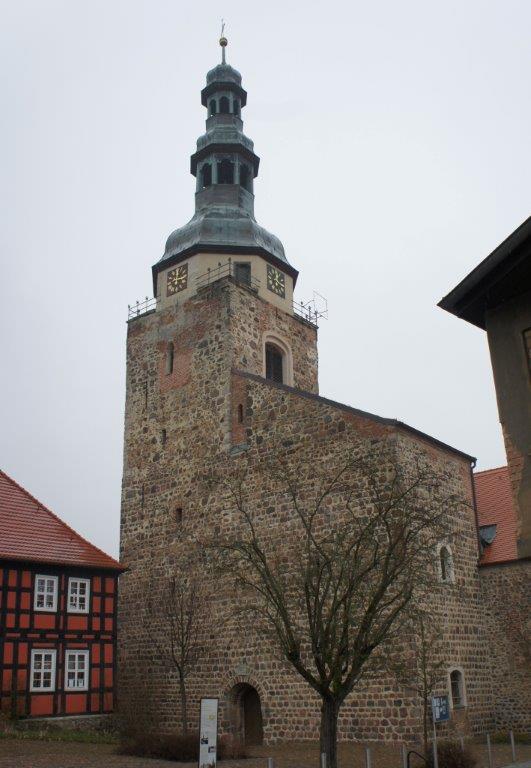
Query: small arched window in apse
{"points": [[169, 358], [457, 688]]}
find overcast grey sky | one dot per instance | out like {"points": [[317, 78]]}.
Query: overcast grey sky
{"points": [[394, 139]]}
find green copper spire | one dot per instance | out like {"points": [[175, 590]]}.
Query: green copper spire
{"points": [[225, 166]]}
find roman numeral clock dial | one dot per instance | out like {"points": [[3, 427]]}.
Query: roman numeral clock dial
{"points": [[177, 280], [276, 281]]}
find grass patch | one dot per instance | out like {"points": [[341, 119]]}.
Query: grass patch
{"points": [[502, 737], [59, 734]]}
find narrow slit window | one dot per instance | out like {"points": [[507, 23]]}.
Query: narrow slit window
{"points": [[457, 688], [240, 414], [274, 363], [169, 359], [446, 564], [179, 515], [163, 437]]}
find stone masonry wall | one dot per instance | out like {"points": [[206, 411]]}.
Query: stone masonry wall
{"points": [[506, 601], [167, 508]]}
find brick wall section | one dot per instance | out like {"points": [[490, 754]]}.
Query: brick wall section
{"points": [[222, 329], [506, 601]]}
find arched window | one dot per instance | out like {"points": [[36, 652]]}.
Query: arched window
{"points": [[274, 363], [169, 358], [224, 105], [226, 172], [236, 107], [457, 688], [212, 106], [244, 177], [446, 565], [278, 360], [206, 175]]}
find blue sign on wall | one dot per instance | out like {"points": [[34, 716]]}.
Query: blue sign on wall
{"points": [[440, 708]]}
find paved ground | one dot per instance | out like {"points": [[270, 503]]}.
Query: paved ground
{"points": [[41, 754]]}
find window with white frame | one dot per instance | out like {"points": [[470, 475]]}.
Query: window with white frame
{"points": [[78, 595], [76, 670], [45, 593], [42, 670], [457, 689]]}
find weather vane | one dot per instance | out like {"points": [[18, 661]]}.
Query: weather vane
{"points": [[223, 41]]}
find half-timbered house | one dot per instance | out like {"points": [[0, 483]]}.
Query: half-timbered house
{"points": [[58, 597]]}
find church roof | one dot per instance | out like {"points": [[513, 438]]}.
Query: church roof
{"points": [[31, 532], [495, 507], [504, 274]]}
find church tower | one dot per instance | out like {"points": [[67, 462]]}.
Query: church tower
{"points": [[223, 315]]}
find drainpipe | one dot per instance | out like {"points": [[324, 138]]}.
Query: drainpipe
{"points": [[474, 503]]}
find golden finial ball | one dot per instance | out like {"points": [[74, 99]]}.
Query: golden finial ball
{"points": [[223, 41]]}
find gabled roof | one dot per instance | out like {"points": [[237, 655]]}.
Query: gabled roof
{"points": [[31, 532], [495, 506], [504, 274]]}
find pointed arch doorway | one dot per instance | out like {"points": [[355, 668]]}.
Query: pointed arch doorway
{"points": [[247, 714]]}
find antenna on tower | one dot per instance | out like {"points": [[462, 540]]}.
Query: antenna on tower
{"points": [[223, 41]]}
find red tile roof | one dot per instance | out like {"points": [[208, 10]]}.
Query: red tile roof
{"points": [[495, 507], [29, 531]]}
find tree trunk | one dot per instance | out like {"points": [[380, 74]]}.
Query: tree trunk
{"points": [[329, 713], [184, 706]]}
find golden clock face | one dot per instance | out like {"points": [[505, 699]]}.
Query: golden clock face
{"points": [[276, 281], [177, 280]]}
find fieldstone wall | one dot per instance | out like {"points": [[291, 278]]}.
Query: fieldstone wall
{"points": [[169, 510], [506, 602]]}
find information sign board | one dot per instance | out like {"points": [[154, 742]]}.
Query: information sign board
{"points": [[440, 707], [208, 733]]}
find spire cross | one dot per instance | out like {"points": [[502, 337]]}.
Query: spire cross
{"points": [[223, 41]]}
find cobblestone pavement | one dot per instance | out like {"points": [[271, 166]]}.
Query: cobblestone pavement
{"points": [[49, 754]]}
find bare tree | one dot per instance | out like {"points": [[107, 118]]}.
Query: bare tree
{"points": [[181, 638], [425, 670], [334, 581]]}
